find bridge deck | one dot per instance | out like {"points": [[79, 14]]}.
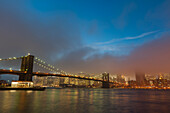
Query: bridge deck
{"points": [[14, 72]]}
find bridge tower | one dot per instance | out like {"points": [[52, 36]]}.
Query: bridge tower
{"points": [[27, 66], [105, 83]]}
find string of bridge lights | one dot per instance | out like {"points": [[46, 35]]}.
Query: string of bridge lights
{"points": [[39, 62], [44, 66], [49, 67], [11, 58]]}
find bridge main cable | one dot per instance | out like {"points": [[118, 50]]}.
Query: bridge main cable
{"points": [[11, 58], [49, 67]]}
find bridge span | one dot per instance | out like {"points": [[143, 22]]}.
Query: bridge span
{"points": [[26, 73]]}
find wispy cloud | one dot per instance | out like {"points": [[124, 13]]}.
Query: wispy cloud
{"points": [[127, 38]]}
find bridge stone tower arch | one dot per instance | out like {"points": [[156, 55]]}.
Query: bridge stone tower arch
{"points": [[105, 83], [27, 66]]}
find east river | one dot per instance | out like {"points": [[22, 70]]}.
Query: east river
{"points": [[85, 101]]}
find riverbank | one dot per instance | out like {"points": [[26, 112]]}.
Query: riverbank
{"points": [[32, 88]]}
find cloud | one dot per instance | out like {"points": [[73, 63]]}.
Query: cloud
{"points": [[153, 56], [26, 30], [127, 38], [150, 57], [97, 63], [140, 36]]}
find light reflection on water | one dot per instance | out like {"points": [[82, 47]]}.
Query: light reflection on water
{"points": [[85, 101]]}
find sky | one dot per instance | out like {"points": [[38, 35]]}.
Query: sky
{"points": [[92, 36]]}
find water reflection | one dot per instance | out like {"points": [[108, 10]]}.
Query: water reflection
{"points": [[85, 101]]}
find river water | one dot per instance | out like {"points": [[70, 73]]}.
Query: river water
{"points": [[85, 101]]}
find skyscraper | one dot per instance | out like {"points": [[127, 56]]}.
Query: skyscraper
{"points": [[140, 79]]}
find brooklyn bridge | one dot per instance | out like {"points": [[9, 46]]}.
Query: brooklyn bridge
{"points": [[26, 71]]}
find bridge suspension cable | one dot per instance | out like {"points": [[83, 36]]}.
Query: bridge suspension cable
{"points": [[45, 67], [49, 67], [11, 58]]}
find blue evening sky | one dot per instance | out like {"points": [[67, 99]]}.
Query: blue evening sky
{"points": [[105, 20]]}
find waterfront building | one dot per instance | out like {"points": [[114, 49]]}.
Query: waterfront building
{"points": [[132, 83], [3, 83], [21, 84]]}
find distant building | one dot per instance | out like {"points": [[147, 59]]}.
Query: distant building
{"points": [[121, 79], [48, 81], [140, 79], [132, 83]]}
